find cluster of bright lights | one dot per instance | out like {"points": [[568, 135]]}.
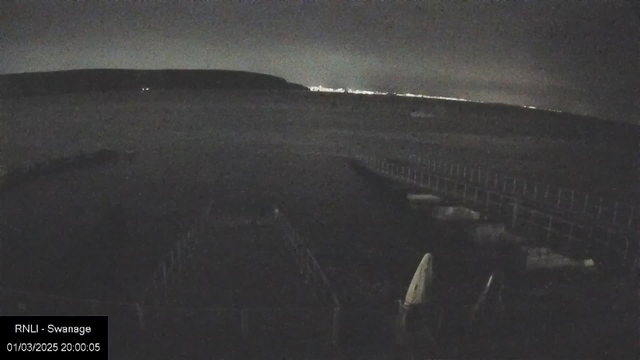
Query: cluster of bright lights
{"points": [[537, 108], [349, 91], [145, 89], [367, 92], [432, 97]]}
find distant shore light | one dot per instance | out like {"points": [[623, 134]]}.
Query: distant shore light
{"points": [[321, 88]]}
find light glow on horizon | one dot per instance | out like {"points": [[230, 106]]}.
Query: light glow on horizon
{"points": [[369, 92], [321, 88]]}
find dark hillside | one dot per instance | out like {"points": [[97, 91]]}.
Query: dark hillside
{"points": [[109, 80]]}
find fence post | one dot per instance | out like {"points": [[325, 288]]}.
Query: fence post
{"points": [[586, 201], [615, 212], [514, 217], [573, 195], [486, 204], [546, 194], [335, 333], [599, 209], [625, 256], [549, 229]]}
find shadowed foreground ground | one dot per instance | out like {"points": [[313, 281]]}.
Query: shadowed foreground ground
{"points": [[59, 240]]}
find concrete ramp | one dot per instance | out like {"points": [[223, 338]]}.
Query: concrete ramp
{"points": [[542, 258], [426, 198], [455, 213], [423, 201], [488, 234]]}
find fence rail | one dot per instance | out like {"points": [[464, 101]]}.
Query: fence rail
{"points": [[615, 248], [310, 269], [305, 259], [605, 211], [321, 320], [170, 267]]}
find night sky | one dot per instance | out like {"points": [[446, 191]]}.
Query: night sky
{"points": [[582, 57]]}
